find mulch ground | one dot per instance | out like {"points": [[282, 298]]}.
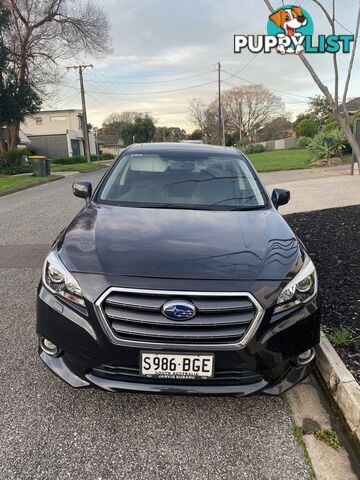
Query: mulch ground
{"points": [[332, 238]]}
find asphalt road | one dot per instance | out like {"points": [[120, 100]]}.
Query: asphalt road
{"points": [[48, 430]]}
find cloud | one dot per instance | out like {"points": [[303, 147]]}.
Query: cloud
{"points": [[157, 45]]}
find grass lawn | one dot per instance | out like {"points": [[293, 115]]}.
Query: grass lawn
{"points": [[9, 182], [77, 167], [280, 160]]}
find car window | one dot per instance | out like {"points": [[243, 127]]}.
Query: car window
{"points": [[183, 181]]}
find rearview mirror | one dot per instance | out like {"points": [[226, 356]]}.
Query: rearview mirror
{"points": [[280, 197], [82, 189]]}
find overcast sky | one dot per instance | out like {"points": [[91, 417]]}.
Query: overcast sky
{"points": [[160, 46]]}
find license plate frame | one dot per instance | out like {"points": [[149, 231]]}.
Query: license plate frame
{"points": [[179, 374]]}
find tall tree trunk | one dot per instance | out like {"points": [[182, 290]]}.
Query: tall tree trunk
{"points": [[13, 135], [350, 137], [2, 144]]}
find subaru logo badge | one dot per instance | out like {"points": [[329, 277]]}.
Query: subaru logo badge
{"points": [[179, 310]]}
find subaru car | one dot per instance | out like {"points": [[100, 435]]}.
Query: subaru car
{"points": [[179, 275]]}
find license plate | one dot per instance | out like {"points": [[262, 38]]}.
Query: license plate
{"points": [[177, 366]]}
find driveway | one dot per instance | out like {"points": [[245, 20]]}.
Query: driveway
{"points": [[49, 430], [317, 188]]}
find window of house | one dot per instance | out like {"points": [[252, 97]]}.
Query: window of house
{"points": [[80, 122], [38, 120]]}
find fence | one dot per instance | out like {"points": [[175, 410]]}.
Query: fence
{"points": [[283, 144]]}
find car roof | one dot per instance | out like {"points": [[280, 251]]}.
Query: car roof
{"points": [[180, 147]]}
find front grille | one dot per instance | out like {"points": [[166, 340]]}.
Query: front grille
{"points": [[221, 377], [221, 318]]}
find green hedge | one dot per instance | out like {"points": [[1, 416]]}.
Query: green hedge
{"points": [[14, 169], [254, 148], [107, 156], [69, 160]]}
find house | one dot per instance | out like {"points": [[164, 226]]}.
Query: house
{"points": [[57, 133], [110, 144], [353, 105]]}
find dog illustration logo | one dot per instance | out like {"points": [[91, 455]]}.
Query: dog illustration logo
{"points": [[290, 29], [291, 21]]}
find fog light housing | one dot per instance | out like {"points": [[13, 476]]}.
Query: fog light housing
{"points": [[48, 347], [305, 357]]}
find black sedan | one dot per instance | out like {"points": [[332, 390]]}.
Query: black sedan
{"points": [[179, 276]]}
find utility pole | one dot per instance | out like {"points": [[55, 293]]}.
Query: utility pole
{"points": [[81, 68], [96, 132], [220, 109]]}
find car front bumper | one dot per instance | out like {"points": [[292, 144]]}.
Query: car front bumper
{"points": [[267, 365]]}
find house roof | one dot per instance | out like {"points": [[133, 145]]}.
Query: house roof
{"points": [[353, 105], [59, 111], [109, 140]]}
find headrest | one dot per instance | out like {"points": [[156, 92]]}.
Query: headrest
{"points": [[147, 163]]}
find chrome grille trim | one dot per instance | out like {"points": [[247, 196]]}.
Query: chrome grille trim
{"points": [[115, 339]]}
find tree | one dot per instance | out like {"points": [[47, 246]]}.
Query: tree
{"points": [[277, 128], [196, 135], [233, 102], [113, 123], [319, 109], [169, 134], [17, 97], [300, 118], [199, 116], [247, 109], [41, 33], [140, 131], [306, 128], [337, 104]]}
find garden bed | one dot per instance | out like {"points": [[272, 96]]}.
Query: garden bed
{"points": [[332, 239]]}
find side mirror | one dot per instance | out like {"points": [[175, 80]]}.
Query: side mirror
{"points": [[280, 197], [82, 189]]}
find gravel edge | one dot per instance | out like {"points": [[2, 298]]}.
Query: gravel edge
{"points": [[341, 383]]}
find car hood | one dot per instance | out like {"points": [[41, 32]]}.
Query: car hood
{"points": [[168, 243]]}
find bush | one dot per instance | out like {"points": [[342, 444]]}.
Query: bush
{"points": [[14, 155], [306, 128], [107, 156], [303, 142], [243, 143], [14, 169], [254, 148], [327, 144], [69, 160]]}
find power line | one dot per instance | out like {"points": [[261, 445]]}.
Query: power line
{"points": [[130, 103], [158, 92], [213, 65], [286, 99], [159, 81], [272, 89]]}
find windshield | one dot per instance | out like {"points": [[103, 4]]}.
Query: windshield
{"points": [[183, 180]]}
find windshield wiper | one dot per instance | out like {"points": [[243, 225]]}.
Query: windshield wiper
{"points": [[247, 208]]}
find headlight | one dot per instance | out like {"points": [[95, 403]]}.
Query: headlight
{"points": [[60, 281], [302, 288]]}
